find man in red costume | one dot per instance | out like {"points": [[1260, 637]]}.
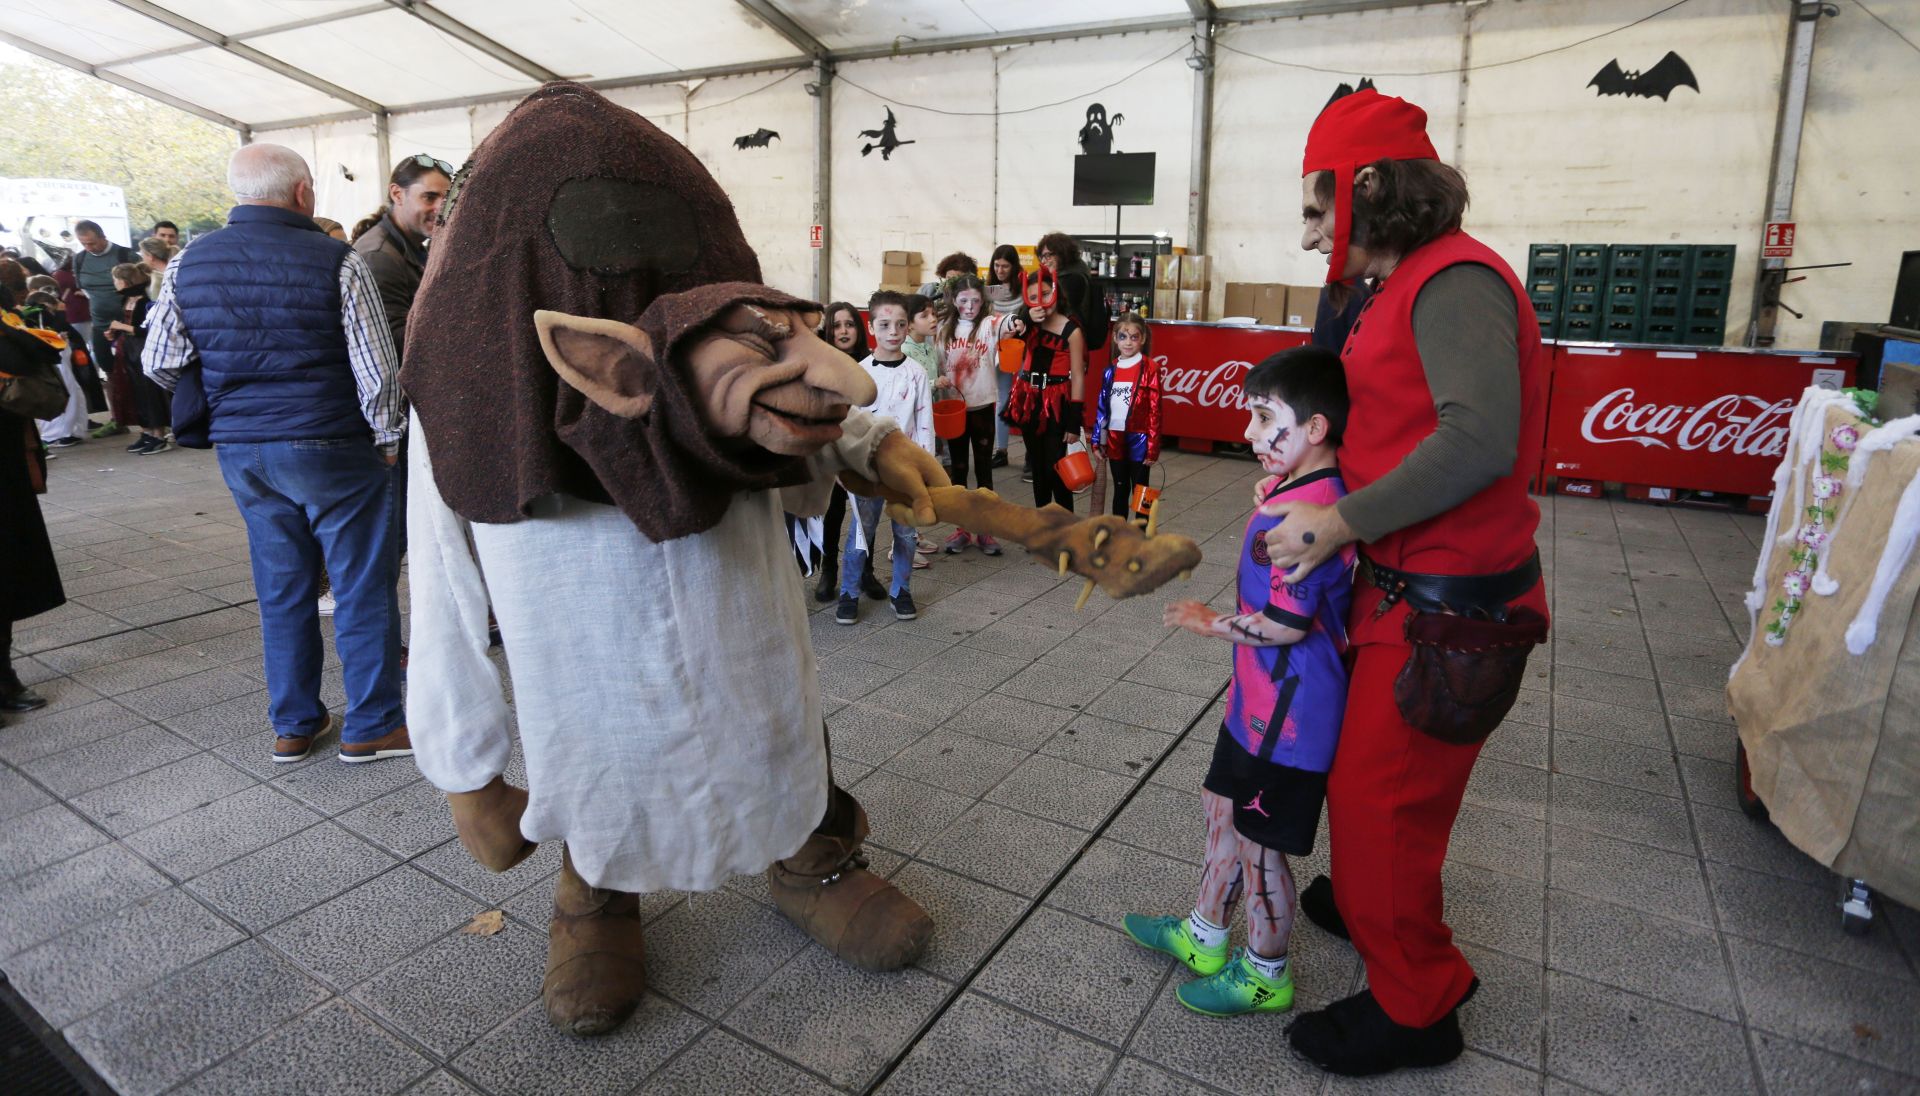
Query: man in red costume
{"points": [[1448, 397]]}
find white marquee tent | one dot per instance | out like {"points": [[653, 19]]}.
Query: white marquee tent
{"points": [[993, 92]]}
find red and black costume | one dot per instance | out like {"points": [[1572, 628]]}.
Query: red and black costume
{"points": [[1395, 789], [1042, 406]]}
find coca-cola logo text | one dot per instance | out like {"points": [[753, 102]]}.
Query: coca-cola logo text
{"points": [[1746, 426], [1220, 388]]}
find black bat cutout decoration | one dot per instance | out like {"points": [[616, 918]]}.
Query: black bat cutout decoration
{"points": [[886, 139], [757, 139], [1663, 79]]}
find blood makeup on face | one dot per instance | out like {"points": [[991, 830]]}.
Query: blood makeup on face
{"points": [[968, 303], [1271, 428]]}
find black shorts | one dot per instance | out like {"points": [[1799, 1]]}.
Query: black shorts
{"points": [[1274, 806]]}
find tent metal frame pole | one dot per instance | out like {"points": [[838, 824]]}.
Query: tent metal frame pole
{"points": [[447, 24], [783, 25], [822, 91], [243, 36], [1803, 27], [247, 53], [1200, 167], [98, 72], [383, 144]]}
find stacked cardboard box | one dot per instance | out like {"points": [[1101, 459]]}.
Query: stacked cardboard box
{"points": [[900, 271], [1273, 303], [1180, 287]]}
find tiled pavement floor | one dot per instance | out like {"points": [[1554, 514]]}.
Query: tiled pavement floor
{"points": [[195, 919]]}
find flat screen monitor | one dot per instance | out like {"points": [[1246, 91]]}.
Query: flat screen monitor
{"points": [[1115, 179]]}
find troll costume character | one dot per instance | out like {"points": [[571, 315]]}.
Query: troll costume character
{"points": [[611, 414]]}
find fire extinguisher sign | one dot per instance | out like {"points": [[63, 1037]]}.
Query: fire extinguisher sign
{"points": [[1778, 243], [813, 236]]}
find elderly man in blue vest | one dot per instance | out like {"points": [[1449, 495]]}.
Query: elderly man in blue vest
{"points": [[305, 415]]}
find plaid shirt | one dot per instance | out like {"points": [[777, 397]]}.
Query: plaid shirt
{"points": [[369, 347]]}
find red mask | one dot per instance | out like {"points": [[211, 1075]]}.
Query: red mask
{"points": [[1354, 131]]}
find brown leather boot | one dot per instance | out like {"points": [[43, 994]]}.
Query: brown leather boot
{"points": [[488, 822], [826, 889], [596, 960]]}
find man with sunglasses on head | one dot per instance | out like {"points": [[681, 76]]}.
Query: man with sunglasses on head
{"points": [[393, 241]]}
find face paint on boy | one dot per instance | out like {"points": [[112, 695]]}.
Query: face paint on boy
{"points": [[889, 331], [1278, 438]]}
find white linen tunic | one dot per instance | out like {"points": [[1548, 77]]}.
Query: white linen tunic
{"points": [[667, 697]]}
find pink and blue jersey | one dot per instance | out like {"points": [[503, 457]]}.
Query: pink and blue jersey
{"points": [[1286, 703]]}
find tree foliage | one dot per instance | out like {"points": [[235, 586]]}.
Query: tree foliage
{"points": [[62, 124]]}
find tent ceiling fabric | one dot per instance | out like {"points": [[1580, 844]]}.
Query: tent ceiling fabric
{"points": [[406, 55]]}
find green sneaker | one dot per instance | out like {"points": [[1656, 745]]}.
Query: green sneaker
{"points": [[1238, 989], [106, 430], [1170, 935]]}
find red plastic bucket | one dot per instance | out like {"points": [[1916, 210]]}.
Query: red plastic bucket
{"points": [[950, 418], [1012, 353], [1075, 469], [1143, 499]]}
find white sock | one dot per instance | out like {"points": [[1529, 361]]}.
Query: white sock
{"points": [[1272, 968], [1205, 933]]}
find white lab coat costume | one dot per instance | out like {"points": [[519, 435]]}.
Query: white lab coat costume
{"points": [[668, 700]]}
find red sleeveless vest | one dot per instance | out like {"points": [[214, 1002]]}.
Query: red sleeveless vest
{"points": [[1392, 411]]}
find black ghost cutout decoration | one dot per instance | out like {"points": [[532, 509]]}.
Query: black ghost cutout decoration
{"points": [[1667, 76], [886, 140], [617, 226], [757, 139], [1096, 137], [1345, 89]]}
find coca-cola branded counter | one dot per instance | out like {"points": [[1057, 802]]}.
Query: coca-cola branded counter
{"points": [[1657, 418]]}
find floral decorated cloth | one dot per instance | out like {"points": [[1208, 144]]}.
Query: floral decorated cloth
{"points": [[1827, 694]]}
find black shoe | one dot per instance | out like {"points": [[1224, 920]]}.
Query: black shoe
{"points": [[1355, 1037], [828, 587], [15, 697], [1317, 903], [848, 612], [903, 608], [1026, 474], [145, 443], [156, 444], [999, 458], [63, 443], [871, 587]]}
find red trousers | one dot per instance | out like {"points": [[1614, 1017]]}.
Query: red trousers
{"points": [[1391, 801]]}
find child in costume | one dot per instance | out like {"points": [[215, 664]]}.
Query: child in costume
{"points": [[1045, 401], [907, 399], [1126, 418], [922, 325], [970, 372], [1268, 779], [842, 328]]}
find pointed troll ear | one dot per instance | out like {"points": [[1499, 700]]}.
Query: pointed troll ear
{"points": [[609, 362]]}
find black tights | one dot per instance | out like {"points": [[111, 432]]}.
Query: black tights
{"points": [[978, 439], [1046, 444], [1125, 473]]}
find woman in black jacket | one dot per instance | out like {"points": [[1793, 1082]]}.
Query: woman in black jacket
{"points": [[29, 577]]}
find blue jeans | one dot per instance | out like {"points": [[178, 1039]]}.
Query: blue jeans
{"points": [[327, 499], [869, 513], [1000, 424]]}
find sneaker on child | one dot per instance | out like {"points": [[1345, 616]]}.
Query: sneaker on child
{"points": [[1174, 936], [958, 542], [848, 611], [1242, 986]]}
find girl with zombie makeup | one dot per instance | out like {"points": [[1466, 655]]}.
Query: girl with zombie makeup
{"points": [[1126, 416], [843, 327], [1268, 780], [968, 372], [1045, 402]]}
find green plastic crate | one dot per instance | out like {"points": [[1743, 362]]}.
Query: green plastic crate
{"points": [[1627, 263], [1580, 327], [1669, 263], [1661, 331], [1546, 262], [1587, 263], [1712, 263]]}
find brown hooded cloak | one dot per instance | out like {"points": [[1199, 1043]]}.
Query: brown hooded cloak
{"points": [[577, 205]]}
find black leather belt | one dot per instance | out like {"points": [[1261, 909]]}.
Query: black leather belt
{"points": [[1485, 596], [1042, 380]]}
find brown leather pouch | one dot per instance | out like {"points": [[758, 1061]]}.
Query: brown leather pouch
{"points": [[1465, 672]]}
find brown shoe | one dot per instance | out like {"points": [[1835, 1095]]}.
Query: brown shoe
{"points": [[394, 743], [827, 891], [488, 822], [296, 747], [596, 959]]}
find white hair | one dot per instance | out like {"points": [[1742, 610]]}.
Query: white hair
{"points": [[267, 173]]}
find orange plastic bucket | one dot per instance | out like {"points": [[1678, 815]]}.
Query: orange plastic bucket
{"points": [[1075, 469], [949, 418], [1143, 499], [1012, 353]]}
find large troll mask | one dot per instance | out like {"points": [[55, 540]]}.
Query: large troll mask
{"points": [[591, 323]]}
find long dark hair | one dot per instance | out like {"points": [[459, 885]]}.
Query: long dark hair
{"points": [[405, 173], [1012, 256], [1415, 202], [826, 327]]}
